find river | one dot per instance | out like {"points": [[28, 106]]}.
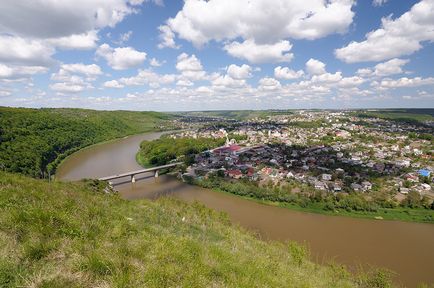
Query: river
{"points": [[406, 248]]}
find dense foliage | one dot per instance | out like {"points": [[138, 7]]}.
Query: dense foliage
{"points": [[163, 150], [74, 235], [34, 141], [413, 208]]}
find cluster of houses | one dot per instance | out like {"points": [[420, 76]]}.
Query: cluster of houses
{"points": [[339, 156]]}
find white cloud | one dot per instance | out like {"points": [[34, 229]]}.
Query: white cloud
{"points": [[260, 53], [315, 67], [327, 77], [286, 73], [396, 37], [155, 63], [351, 81], [364, 72], [190, 67], [147, 77], [124, 37], [20, 51], [406, 82], [390, 67], [269, 84], [17, 72], [113, 84], [68, 83], [83, 41], [89, 70], [377, 3], [200, 21], [55, 19], [121, 58], [226, 81], [239, 72], [167, 38]]}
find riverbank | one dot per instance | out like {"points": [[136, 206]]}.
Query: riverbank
{"points": [[98, 239], [310, 206]]}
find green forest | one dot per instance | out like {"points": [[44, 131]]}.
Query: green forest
{"points": [[163, 150], [34, 141]]}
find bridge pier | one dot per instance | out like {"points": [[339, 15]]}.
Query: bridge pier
{"points": [[156, 174], [133, 178]]}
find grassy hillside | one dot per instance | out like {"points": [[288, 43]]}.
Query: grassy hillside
{"points": [[74, 235], [34, 141]]}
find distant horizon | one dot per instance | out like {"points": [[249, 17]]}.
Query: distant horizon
{"points": [[220, 110], [192, 55]]}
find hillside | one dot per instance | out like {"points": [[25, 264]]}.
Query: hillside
{"points": [[74, 235], [34, 141]]}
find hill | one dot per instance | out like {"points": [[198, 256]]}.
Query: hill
{"points": [[73, 235], [34, 141]]}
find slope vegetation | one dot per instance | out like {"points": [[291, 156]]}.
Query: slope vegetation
{"points": [[73, 235], [34, 141]]}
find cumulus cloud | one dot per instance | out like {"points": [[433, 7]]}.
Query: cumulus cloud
{"points": [[121, 58], [226, 81], [406, 82], [167, 38], [20, 51], [390, 67], [190, 67], [155, 63], [286, 73], [54, 19], [327, 77], [395, 38], [19, 72], [89, 70], [268, 83], [200, 21], [239, 72], [147, 77], [83, 41], [260, 53], [113, 84], [315, 67]]}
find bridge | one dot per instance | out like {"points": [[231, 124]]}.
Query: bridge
{"points": [[132, 174]]}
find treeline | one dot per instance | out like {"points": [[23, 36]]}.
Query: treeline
{"points": [[163, 150], [413, 208], [34, 141]]}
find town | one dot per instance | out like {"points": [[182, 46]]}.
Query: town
{"points": [[337, 152]]}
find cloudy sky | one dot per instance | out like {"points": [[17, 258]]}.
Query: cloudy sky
{"points": [[172, 55]]}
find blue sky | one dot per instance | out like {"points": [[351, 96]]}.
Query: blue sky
{"points": [[217, 54]]}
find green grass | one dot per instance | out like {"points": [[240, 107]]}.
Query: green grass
{"points": [[73, 235]]}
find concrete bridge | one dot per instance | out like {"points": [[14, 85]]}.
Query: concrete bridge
{"points": [[132, 174]]}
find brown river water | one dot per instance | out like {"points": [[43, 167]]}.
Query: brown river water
{"points": [[405, 248]]}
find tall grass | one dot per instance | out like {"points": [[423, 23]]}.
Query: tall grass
{"points": [[74, 235]]}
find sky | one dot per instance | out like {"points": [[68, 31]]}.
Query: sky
{"points": [[174, 55]]}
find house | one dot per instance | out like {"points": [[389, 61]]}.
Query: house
{"points": [[326, 177], [404, 190], [356, 187], [236, 174], [320, 185], [425, 186], [366, 185]]}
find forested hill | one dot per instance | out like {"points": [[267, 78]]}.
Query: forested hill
{"points": [[34, 141]]}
